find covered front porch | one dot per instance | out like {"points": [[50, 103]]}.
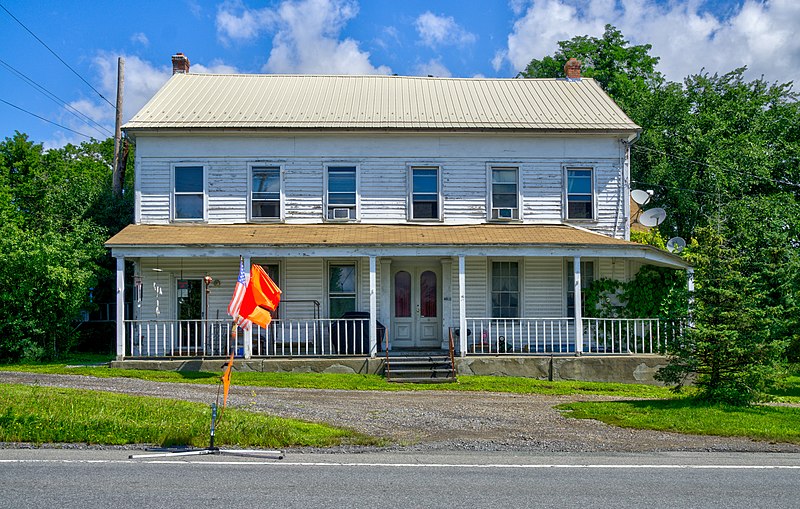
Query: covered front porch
{"points": [[363, 290]]}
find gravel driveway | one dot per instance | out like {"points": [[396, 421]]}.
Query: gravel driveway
{"points": [[429, 420]]}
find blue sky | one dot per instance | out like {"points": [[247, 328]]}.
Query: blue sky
{"points": [[463, 38]]}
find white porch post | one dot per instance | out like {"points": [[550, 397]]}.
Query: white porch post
{"points": [[120, 308], [248, 334], [447, 301], [386, 303], [462, 306], [373, 307], [690, 286], [576, 265]]}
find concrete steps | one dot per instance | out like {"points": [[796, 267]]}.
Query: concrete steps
{"points": [[420, 369]]}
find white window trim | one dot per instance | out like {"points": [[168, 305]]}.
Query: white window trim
{"points": [[172, 194], [567, 274], [282, 212], [410, 192], [489, 199], [357, 275], [521, 282], [565, 192], [325, 204]]}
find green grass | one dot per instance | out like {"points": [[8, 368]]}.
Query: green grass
{"points": [[358, 382], [769, 423], [44, 415]]}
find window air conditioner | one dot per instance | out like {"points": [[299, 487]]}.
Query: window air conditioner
{"points": [[504, 214], [341, 213]]}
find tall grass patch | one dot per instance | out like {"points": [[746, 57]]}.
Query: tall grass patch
{"points": [[52, 415]]}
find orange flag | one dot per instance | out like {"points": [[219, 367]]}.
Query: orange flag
{"points": [[226, 381], [261, 297]]}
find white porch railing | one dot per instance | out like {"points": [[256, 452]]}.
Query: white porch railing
{"points": [[201, 338], [178, 338], [557, 335]]}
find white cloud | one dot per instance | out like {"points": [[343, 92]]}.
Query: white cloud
{"points": [[687, 37], [306, 36], [441, 30], [216, 67], [433, 67], [141, 38]]}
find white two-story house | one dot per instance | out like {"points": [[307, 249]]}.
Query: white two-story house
{"points": [[430, 206]]}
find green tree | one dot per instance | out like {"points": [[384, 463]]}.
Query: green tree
{"points": [[728, 346], [56, 211]]}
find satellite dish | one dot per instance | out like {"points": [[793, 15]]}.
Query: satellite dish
{"points": [[640, 197], [652, 217], [676, 245]]}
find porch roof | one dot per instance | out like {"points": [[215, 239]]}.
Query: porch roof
{"points": [[363, 239]]}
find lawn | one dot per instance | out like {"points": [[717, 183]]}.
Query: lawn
{"points": [[44, 414], [760, 422]]}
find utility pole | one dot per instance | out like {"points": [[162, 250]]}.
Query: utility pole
{"points": [[117, 173]]}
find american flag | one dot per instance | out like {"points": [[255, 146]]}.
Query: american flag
{"points": [[238, 295]]}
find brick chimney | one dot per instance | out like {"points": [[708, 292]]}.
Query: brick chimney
{"points": [[572, 69], [180, 64]]}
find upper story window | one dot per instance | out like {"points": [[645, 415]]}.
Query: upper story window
{"points": [[341, 193], [505, 194], [265, 194], [505, 290], [425, 193], [580, 193], [189, 192]]}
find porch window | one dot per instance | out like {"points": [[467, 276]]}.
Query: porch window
{"points": [[505, 194], [425, 193], [265, 194], [587, 276], [188, 192], [505, 290], [580, 193], [341, 193], [341, 289]]}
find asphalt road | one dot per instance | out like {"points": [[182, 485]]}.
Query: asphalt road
{"points": [[63, 479]]}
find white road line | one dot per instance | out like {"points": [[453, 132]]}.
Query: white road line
{"points": [[416, 465]]}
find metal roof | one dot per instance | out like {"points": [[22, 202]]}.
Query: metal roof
{"points": [[270, 101]]}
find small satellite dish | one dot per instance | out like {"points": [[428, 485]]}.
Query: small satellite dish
{"points": [[640, 197], [676, 245], [652, 217]]}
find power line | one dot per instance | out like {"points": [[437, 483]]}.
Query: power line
{"points": [[71, 109], [48, 121], [715, 166], [56, 55]]}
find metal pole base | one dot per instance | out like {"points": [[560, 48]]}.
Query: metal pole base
{"points": [[213, 450]]}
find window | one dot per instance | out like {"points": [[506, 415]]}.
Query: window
{"points": [[189, 197], [265, 197], [273, 271], [341, 289], [505, 195], [579, 194], [341, 192], [587, 276], [424, 193], [505, 290]]}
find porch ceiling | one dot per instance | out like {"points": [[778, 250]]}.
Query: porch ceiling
{"points": [[544, 240]]}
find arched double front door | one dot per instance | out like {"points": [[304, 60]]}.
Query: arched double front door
{"points": [[416, 307]]}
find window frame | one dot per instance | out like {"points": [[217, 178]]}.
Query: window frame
{"points": [[410, 197], [281, 195], [593, 194], [520, 281], [569, 288], [516, 214], [175, 194], [328, 207], [328, 294]]}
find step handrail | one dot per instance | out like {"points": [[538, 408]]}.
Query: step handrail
{"points": [[452, 353]]}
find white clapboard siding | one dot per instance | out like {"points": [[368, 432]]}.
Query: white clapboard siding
{"points": [[543, 288], [384, 162], [304, 280]]}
